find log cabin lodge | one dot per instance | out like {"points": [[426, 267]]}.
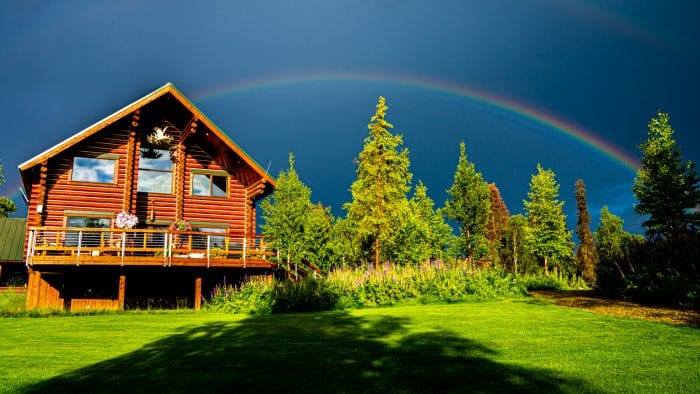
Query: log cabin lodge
{"points": [[192, 189]]}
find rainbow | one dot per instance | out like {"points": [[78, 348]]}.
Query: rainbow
{"points": [[499, 104]]}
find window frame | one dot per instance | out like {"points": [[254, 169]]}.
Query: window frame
{"points": [[139, 170], [210, 174], [104, 235], [206, 227], [95, 156]]}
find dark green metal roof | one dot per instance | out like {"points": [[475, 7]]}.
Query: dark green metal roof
{"points": [[12, 232]]}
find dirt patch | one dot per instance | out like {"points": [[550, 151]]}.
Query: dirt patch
{"points": [[589, 300]]}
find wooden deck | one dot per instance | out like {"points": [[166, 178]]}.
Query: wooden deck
{"points": [[119, 247]]}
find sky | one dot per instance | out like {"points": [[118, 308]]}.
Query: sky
{"points": [[568, 84]]}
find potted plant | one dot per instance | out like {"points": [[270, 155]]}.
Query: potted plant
{"points": [[125, 220], [180, 225]]}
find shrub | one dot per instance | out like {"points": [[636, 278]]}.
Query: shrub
{"points": [[362, 288], [538, 282]]}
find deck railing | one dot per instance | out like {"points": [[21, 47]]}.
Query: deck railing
{"points": [[131, 245]]}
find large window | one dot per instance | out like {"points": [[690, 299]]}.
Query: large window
{"points": [[91, 169], [155, 171], [209, 184], [87, 238]]}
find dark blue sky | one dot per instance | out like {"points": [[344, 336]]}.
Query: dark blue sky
{"points": [[603, 67]]}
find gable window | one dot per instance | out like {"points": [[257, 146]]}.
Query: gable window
{"points": [[155, 171], [214, 184], [92, 169]]}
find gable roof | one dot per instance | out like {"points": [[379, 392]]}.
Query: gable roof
{"points": [[12, 232], [168, 88]]}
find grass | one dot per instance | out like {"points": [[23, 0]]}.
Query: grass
{"points": [[12, 302], [499, 346]]}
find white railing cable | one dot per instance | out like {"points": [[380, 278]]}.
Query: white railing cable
{"points": [[80, 243], [30, 246], [245, 250], [123, 247]]}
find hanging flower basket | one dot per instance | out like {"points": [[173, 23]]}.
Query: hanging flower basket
{"points": [[180, 225], [126, 220]]}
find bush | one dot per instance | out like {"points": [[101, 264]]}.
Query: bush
{"points": [[362, 288], [536, 282], [654, 271]]}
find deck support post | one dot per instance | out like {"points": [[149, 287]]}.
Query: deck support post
{"points": [[33, 285], [197, 293], [122, 291]]}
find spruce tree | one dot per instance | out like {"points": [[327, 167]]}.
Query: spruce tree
{"points": [[469, 206], [379, 193], [546, 218], [666, 185], [586, 258]]}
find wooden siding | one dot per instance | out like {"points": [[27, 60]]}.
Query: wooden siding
{"points": [[63, 194], [227, 211], [94, 304]]}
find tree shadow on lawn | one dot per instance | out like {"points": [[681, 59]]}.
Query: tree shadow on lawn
{"points": [[326, 352]]}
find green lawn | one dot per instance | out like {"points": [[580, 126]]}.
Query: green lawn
{"points": [[502, 346]]}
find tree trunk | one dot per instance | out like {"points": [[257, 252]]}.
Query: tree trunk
{"points": [[376, 253], [546, 270], [289, 267], [515, 252]]}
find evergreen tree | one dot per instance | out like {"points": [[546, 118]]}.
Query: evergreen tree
{"points": [[7, 206], [666, 186], [293, 225], [497, 225], [469, 206], [379, 193], [586, 258], [546, 218]]}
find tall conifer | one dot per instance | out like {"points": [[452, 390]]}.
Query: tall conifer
{"points": [[383, 181], [545, 215], [666, 186], [586, 258], [469, 206]]}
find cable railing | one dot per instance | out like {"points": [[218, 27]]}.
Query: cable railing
{"points": [[62, 245]]}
